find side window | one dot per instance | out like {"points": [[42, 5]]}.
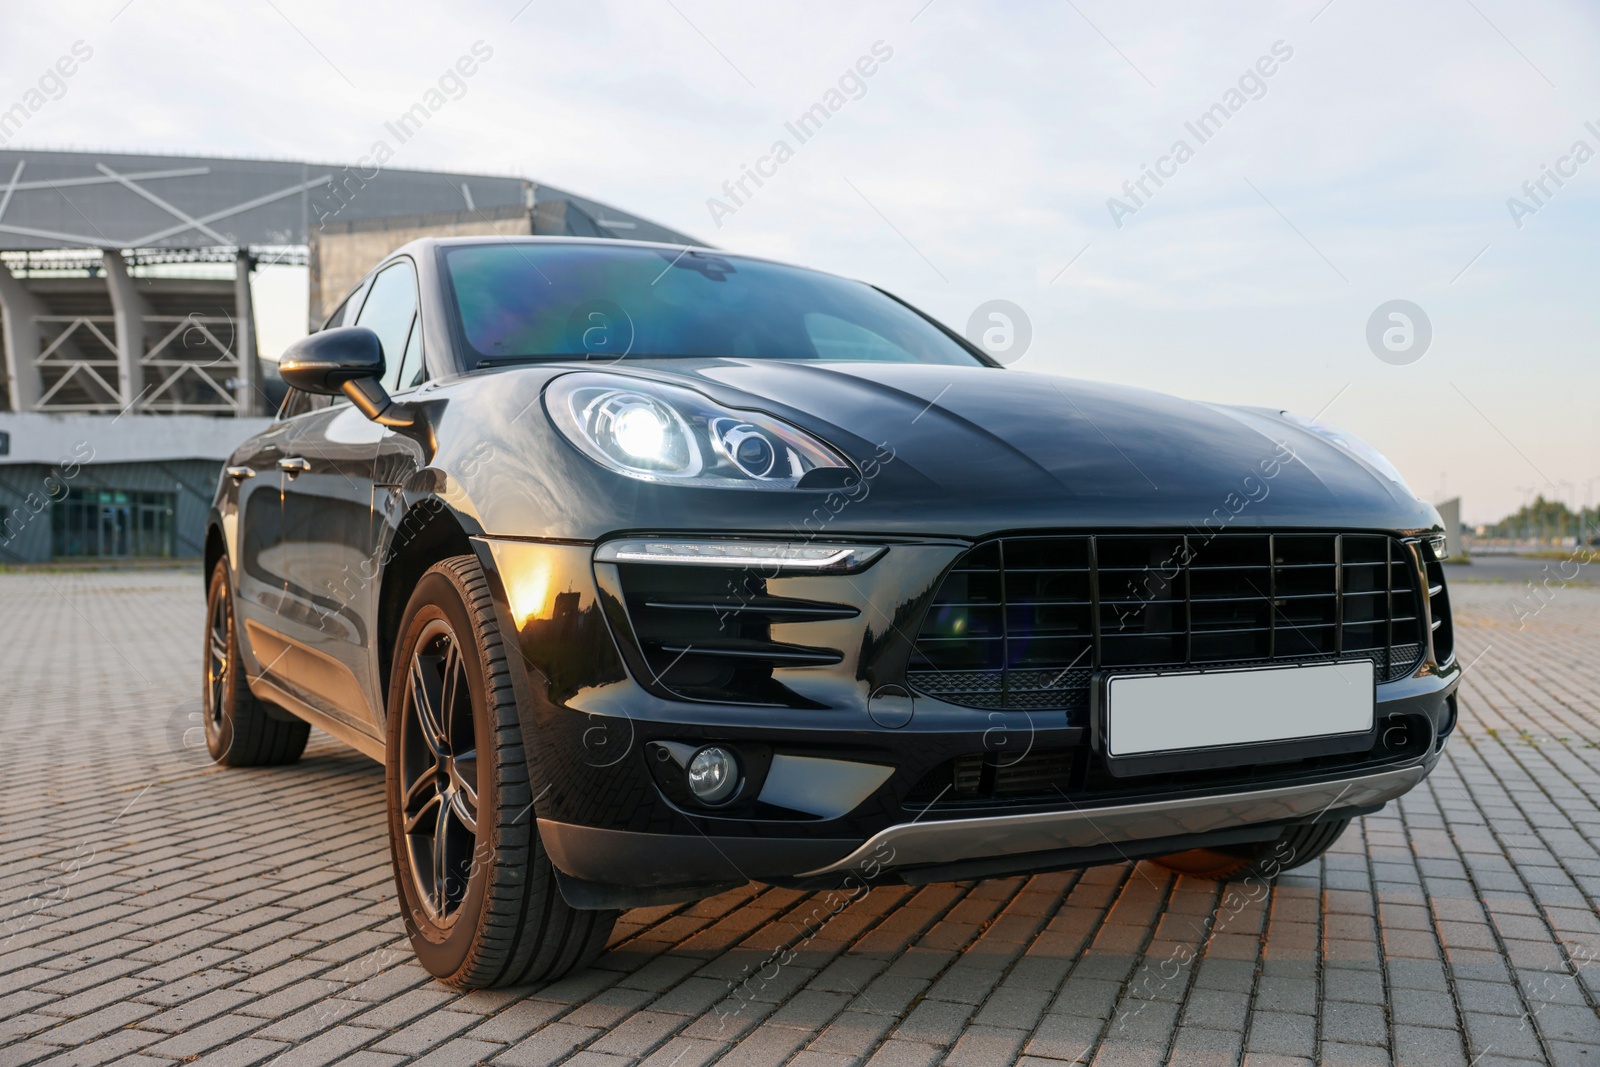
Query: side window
{"points": [[412, 371], [390, 311], [342, 311], [298, 403]]}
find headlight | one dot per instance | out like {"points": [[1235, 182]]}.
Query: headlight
{"points": [[1353, 445], [665, 433]]}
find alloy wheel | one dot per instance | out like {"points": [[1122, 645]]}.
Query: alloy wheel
{"points": [[439, 772], [217, 661]]}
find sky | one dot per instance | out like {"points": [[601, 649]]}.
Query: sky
{"points": [[985, 158]]}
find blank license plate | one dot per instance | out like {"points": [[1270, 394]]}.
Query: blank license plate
{"points": [[1147, 713]]}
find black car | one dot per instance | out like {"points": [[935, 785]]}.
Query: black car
{"points": [[648, 571]]}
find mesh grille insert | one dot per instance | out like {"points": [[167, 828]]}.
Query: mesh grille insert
{"points": [[1023, 622]]}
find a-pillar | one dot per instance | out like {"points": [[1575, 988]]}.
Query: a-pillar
{"points": [[21, 335], [247, 386], [128, 309]]}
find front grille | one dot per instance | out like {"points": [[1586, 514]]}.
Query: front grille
{"points": [[992, 777], [1024, 622]]}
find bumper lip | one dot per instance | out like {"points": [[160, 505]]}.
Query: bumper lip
{"points": [[952, 840], [640, 859]]}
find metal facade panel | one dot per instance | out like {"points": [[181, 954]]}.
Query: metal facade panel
{"points": [[115, 200]]}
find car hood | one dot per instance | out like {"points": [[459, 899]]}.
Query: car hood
{"points": [[1009, 433], [982, 449]]}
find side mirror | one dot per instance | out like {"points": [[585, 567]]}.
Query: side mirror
{"points": [[325, 362], [346, 360]]}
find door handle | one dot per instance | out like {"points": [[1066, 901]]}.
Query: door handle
{"points": [[239, 474], [293, 465]]}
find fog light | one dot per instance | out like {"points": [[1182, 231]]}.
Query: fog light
{"points": [[713, 775]]}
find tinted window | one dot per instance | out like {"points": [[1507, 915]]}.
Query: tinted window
{"points": [[533, 301], [412, 373], [338, 316], [298, 403], [389, 311]]}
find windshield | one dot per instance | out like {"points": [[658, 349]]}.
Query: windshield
{"points": [[552, 301]]}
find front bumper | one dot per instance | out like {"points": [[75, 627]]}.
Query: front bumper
{"points": [[594, 714], [917, 844], [993, 845]]}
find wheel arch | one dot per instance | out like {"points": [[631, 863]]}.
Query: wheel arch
{"points": [[429, 532], [216, 547]]}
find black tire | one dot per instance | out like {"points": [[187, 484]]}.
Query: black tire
{"points": [[477, 892], [241, 731], [1296, 847]]}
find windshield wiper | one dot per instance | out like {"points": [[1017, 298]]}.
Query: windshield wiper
{"points": [[484, 362]]}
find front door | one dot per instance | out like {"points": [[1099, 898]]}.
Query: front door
{"points": [[260, 578], [332, 588], [327, 520]]}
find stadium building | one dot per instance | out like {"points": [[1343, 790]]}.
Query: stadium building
{"points": [[131, 368]]}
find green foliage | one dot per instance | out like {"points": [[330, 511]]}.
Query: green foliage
{"points": [[1545, 519]]}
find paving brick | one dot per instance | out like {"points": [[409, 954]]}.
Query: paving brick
{"points": [[332, 1045], [1282, 1034], [905, 1054], [367, 1058], [459, 1052], [764, 1046], [311, 1020], [85, 1028], [235, 916], [1204, 1047], [121, 1047], [99, 996], [1065, 1036], [1416, 1046], [548, 1045], [1501, 1035], [813, 1058], [242, 1053], [193, 1040], [194, 1011], [424, 1033], [1362, 1024], [685, 1052], [981, 1046], [1338, 1054]]}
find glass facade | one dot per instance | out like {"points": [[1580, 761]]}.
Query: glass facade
{"points": [[113, 523]]}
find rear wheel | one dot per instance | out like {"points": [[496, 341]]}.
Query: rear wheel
{"points": [[477, 892], [240, 730], [1297, 846]]}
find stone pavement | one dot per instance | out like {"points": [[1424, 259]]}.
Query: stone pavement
{"points": [[157, 910]]}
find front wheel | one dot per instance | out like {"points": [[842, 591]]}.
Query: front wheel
{"points": [[1295, 847], [477, 892]]}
